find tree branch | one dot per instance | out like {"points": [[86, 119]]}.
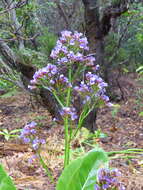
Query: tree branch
{"points": [[110, 12], [15, 23], [62, 13], [20, 4]]}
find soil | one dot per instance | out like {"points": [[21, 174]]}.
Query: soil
{"points": [[124, 130]]}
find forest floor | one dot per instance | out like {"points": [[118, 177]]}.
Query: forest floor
{"points": [[124, 130]]}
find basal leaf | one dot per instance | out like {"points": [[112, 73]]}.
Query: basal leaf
{"points": [[81, 173], [5, 181]]}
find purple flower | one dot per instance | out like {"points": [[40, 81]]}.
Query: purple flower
{"points": [[26, 140], [92, 78], [42, 141], [72, 42], [105, 98], [107, 179], [35, 143], [48, 71], [66, 34], [90, 61], [33, 131], [52, 82], [64, 50], [102, 85], [105, 186], [30, 160], [27, 131], [28, 135], [63, 60], [31, 87], [54, 53], [71, 56], [79, 57], [82, 88], [77, 35], [63, 79], [83, 43], [51, 69], [87, 99], [63, 40], [68, 111], [32, 124], [97, 67], [96, 187]]}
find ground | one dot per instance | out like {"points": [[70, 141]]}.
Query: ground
{"points": [[124, 129]]}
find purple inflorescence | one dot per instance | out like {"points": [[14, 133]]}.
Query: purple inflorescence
{"points": [[48, 71], [69, 47], [32, 158], [68, 111], [29, 135], [82, 88], [107, 180], [69, 54]]}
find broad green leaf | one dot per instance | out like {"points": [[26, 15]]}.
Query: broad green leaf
{"points": [[5, 181], [81, 173]]}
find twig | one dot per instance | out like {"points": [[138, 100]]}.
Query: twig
{"points": [[18, 5]]}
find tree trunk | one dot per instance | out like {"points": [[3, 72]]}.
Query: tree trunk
{"points": [[98, 24]]}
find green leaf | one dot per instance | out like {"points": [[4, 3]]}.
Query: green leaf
{"points": [[141, 114], [9, 94], [15, 131], [103, 135], [81, 173], [7, 136], [5, 131], [5, 181], [2, 133], [139, 69]]}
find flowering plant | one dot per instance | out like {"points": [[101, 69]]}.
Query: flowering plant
{"points": [[29, 135], [73, 81], [107, 179]]}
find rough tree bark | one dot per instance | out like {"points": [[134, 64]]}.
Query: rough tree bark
{"points": [[98, 25]]}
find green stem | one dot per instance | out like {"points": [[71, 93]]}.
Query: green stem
{"points": [[122, 157], [45, 167], [66, 126], [57, 98], [128, 151], [83, 115], [69, 89], [67, 147]]}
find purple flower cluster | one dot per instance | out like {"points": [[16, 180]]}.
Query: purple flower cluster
{"points": [[108, 180], [29, 135], [64, 80], [49, 71], [32, 158], [82, 88], [69, 49], [69, 111], [93, 84]]}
